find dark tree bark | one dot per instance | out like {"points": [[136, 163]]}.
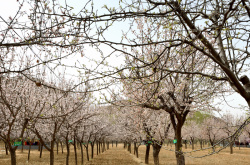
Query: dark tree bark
{"points": [[13, 156], [6, 149], [57, 147], [52, 152], [156, 151], [29, 151], [68, 150], [92, 149], [147, 154], [192, 141], [41, 150], [61, 146], [75, 150], [81, 153], [97, 143]]}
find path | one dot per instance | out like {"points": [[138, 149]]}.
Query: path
{"points": [[115, 156]]}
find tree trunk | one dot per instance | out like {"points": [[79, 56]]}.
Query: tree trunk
{"points": [[156, 151], [39, 146], [13, 156], [29, 151], [87, 151], [116, 143], [75, 150], [103, 146], [231, 145], [57, 147], [68, 151], [81, 154], [62, 147], [92, 149], [185, 142], [6, 149], [192, 141], [136, 152], [52, 153], [134, 148], [97, 147], [212, 144], [178, 146], [200, 143], [41, 150], [147, 154], [22, 147]]}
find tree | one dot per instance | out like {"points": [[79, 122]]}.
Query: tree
{"points": [[213, 131], [14, 91]]}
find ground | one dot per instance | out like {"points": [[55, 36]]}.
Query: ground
{"points": [[120, 156]]}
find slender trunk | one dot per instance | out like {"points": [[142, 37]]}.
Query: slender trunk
{"points": [[29, 151], [116, 143], [13, 156], [212, 144], [185, 142], [92, 149], [62, 146], [156, 151], [147, 154], [6, 149], [75, 150], [97, 147], [52, 153], [231, 145], [136, 151], [81, 154], [201, 143], [192, 141], [112, 144], [103, 146], [41, 150], [22, 147], [39, 146], [134, 147], [87, 151], [57, 147], [68, 151]]}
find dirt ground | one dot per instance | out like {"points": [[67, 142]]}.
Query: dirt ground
{"points": [[119, 156]]}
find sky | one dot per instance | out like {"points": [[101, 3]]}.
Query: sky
{"points": [[8, 8]]}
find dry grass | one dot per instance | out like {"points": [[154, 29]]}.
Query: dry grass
{"points": [[239, 157], [118, 156]]}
